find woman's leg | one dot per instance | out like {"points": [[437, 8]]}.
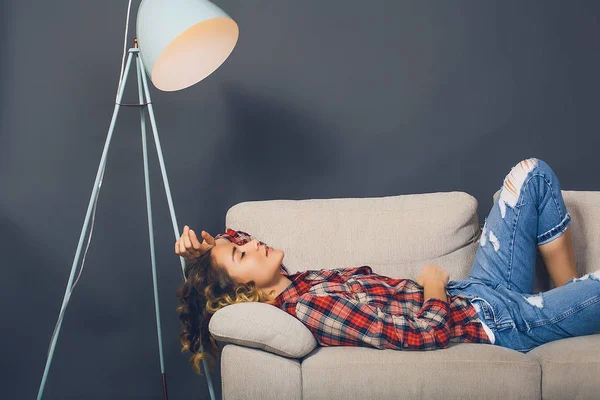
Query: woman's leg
{"points": [[559, 259], [523, 322], [572, 309], [529, 212]]}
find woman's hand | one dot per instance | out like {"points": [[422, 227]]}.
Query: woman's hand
{"points": [[188, 246], [432, 272]]}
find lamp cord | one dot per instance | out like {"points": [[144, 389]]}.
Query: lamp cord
{"points": [[62, 311]]}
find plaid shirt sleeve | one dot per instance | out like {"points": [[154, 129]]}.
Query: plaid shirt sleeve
{"points": [[341, 321]]}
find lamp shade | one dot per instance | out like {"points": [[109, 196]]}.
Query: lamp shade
{"points": [[181, 42]]}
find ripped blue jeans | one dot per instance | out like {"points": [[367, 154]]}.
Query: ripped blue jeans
{"points": [[529, 211]]}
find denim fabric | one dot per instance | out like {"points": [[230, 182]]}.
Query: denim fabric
{"points": [[529, 211]]}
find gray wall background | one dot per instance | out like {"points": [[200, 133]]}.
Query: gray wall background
{"points": [[319, 99]]}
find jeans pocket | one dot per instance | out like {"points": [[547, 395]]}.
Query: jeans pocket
{"points": [[485, 310]]}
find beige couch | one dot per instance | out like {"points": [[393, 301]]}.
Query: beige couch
{"points": [[268, 354]]}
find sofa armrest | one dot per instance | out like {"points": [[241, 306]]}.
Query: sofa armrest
{"points": [[264, 327]]}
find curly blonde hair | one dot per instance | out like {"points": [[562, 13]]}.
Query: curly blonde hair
{"points": [[207, 289]]}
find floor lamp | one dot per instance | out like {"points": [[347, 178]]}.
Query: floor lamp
{"points": [[180, 43]]}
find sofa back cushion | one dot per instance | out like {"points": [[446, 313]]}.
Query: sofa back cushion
{"points": [[584, 207], [395, 235]]}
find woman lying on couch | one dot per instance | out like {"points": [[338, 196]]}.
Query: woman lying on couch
{"points": [[356, 307]]}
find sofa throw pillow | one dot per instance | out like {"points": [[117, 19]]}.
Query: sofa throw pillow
{"points": [[264, 327]]}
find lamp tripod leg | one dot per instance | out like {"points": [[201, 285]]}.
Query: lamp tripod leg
{"points": [[93, 197], [144, 83], [150, 227]]}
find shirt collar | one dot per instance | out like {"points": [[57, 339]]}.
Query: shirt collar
{"points": [[297, 288]]}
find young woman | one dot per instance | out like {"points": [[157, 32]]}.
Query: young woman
{"points": [[356, 307]]}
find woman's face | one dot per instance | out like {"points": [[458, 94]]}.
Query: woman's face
{"points": [[250, 262]]}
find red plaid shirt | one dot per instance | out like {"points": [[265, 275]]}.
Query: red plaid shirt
{"points": [[356, 307]]}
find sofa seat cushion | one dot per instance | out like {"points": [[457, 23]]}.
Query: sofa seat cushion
{"points": [[460, 371], [571, 367]]}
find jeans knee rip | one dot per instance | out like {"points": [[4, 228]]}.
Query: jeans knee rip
{"points": [[513, 182]]}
